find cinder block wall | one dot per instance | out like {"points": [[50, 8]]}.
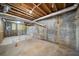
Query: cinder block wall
{"points": [[67, 29]]}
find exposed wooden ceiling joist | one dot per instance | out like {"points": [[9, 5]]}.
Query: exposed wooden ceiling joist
{"points": [[40, 9], [60, 6], [30, 8], [21, 9], [21, 14], [33, 11], [46, 7]]}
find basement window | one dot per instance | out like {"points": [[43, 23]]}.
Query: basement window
{"points": [[14, 28]]}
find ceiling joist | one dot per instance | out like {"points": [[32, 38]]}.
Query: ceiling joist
{"points": [[40, 9], [34, 11]]}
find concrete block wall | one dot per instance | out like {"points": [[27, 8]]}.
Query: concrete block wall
{"points": [[50, 24], [1, 30], [77, 34], [67, 29]]}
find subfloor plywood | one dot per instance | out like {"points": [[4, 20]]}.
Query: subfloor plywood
{"points": [[36, 48]]}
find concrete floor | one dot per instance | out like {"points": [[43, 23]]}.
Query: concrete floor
{"points": [[14, 39], [35, 48]]}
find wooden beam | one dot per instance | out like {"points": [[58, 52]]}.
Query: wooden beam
{"points": [[18, 14], [60, 6], [34, 11], [16, 11], [40, 9], [54, 8], [30, 8], [12, 13], [46, 7], [19, 8]]}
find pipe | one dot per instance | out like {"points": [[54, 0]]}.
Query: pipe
{"points": [[58, 12], [19, 19]]}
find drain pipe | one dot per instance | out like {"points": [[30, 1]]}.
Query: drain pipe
{"points": [[58, 12], [5, 15]]}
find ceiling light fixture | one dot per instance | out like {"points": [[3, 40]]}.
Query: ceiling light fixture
{"points": [[30, 11]]}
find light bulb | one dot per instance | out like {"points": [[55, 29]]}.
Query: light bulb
{"points": [[30, 11]]}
